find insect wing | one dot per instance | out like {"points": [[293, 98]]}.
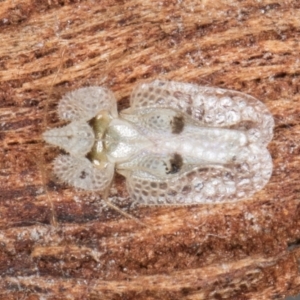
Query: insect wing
{"points": [[203, 184], [212, 107], [208, 181]]}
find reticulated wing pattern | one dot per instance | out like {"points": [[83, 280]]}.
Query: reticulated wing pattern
{"points": [[85, 103], [81, 173], [208, 106], [178, 143], [205, 184]]}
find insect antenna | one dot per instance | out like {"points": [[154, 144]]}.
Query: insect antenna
{"points": [[41, 155], [105, 198]]}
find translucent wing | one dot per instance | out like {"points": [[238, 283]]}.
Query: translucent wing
{"points": [[203, 184], [212, 107], [85, 103], [81, 173]]}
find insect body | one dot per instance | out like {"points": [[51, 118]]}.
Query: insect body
{"points": [[178, 143]]}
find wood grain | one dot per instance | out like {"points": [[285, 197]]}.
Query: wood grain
{"points": [[59, 243]]}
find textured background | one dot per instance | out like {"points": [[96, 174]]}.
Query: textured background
{"points": [[57, 242], [293, 298]]}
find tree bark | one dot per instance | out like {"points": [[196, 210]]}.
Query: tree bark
{"points": [[60, 243]]}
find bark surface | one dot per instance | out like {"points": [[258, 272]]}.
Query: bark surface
{"points": [[60, 243]]}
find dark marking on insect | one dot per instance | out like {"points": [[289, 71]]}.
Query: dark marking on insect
{"points": [[90, 156], [83, 175], [176, 163], [177, 124], [243, 125]]}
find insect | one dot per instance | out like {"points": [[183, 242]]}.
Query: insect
{"points": [[177, 143]]}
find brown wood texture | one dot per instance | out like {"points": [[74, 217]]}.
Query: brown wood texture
{"points": [[60, 243]]}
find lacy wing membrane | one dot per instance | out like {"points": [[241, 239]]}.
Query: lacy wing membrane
{"points": [[213, 107], [219, 176], [207, 183]]}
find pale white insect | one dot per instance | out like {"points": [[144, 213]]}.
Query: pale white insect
{"points": [[178, 143]]}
